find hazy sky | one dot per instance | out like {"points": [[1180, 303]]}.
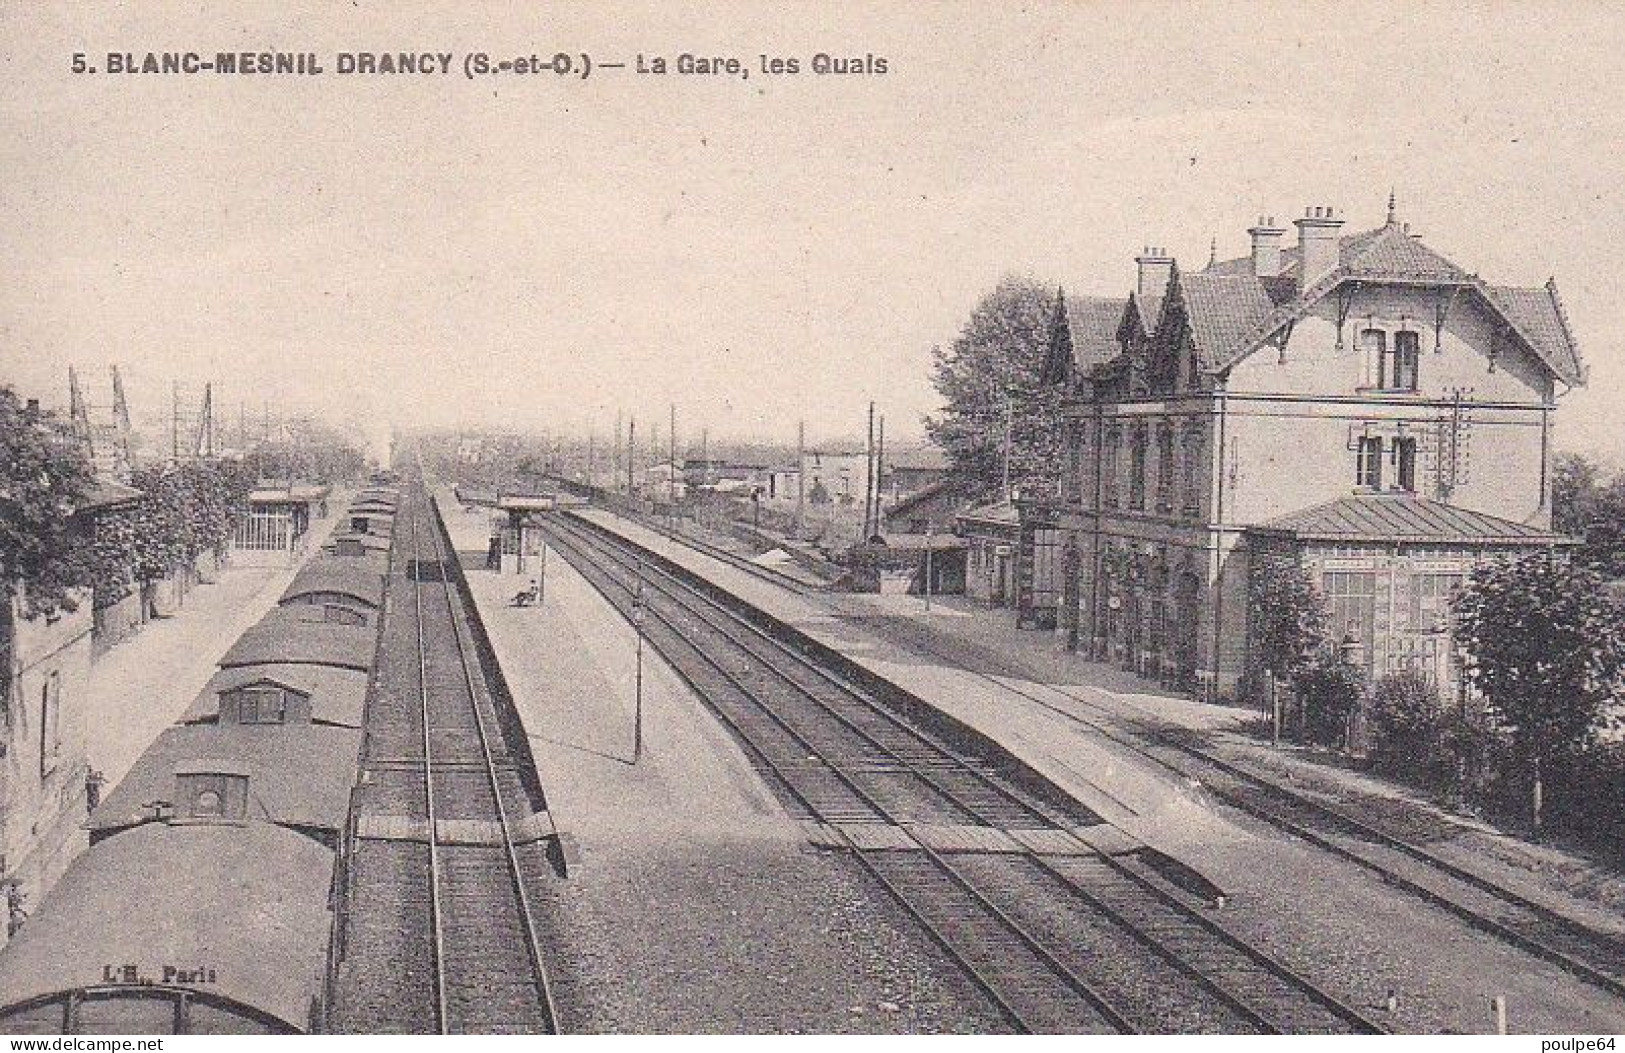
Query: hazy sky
{"points": [[541, 252]]}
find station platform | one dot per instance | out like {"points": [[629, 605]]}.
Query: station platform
{"points": [[683, 866], [1128, 791]]}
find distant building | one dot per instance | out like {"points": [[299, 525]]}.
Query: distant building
{"points": [[834, 476], [1358, 404], [912, 469]]}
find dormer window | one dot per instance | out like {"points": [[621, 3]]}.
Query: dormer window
{"points": [[262, 703], [211, 796]]}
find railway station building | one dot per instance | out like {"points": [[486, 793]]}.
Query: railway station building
{"points": [[1356, 402]]}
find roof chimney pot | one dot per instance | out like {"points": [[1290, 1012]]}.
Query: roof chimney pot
{"points": [[1318, 250], [1156, 267]]}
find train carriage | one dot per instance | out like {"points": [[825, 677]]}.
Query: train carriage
{"points": [[202, 928]]}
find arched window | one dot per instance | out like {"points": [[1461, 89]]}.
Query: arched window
{"points": [[1373, 352], [1136, 479], [1406, 358]]}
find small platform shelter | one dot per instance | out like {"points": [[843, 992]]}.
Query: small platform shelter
{"points": [[276, 523], [516, 534]]}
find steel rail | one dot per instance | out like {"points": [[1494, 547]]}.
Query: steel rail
{"points": [[1161, 736], [544, 989], [1259, 959], [435, 910], [1066, 975]]}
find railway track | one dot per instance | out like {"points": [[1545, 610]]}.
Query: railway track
{"points": [[1474, 898], [488, 972], [1058, 939]]}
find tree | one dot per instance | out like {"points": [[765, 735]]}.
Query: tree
{"points": [[44, 479], [990, 374], [1287, 615], [1589, 504], [1546, 647]]}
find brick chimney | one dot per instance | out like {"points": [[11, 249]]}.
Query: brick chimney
{"points": [[1266, 247], [1156, 267], [1317, 243]]}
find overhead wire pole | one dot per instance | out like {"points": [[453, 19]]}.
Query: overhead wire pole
{"points": [[671, 477], [880, 469], [801, 478], [868, 472]]}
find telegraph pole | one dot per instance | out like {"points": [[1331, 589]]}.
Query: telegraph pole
{"points": [[671, 478], [801, 478], [880, 468], [637, 697], [631, 452], [1009, 415], [868, 472]]}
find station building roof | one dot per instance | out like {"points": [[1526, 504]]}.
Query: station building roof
{"points": [[299, 775], [329, 573], [300, 636], [337, 696], [1404, 519], [249, 902]]}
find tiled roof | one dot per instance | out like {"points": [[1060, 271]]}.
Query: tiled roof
{"points": [[251, 900], [298, 774], [1229, 324], [1092, 322], [1391, 254], [1222, 309], [1539, 315], [1404, 518]]}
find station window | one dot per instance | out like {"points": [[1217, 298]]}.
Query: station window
{"points": [[1108, 467], [1165, 468], [1431, 597], [212, 796], [1373, 351], [1351, 598], [1368, 466], [1402, 454], [1136, 477], [1399, 366], [1192, 458]]}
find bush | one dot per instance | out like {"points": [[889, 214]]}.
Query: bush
{"points": [[1328, 691], [1406, 725]]}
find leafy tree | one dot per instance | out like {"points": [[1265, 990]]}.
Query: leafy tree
{"points": [[1288, 617], [1546, 646], [990, 374], [44, 478], [1589, 504]]}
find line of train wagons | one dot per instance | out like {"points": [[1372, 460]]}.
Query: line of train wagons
{"points": [[204, 902]]}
